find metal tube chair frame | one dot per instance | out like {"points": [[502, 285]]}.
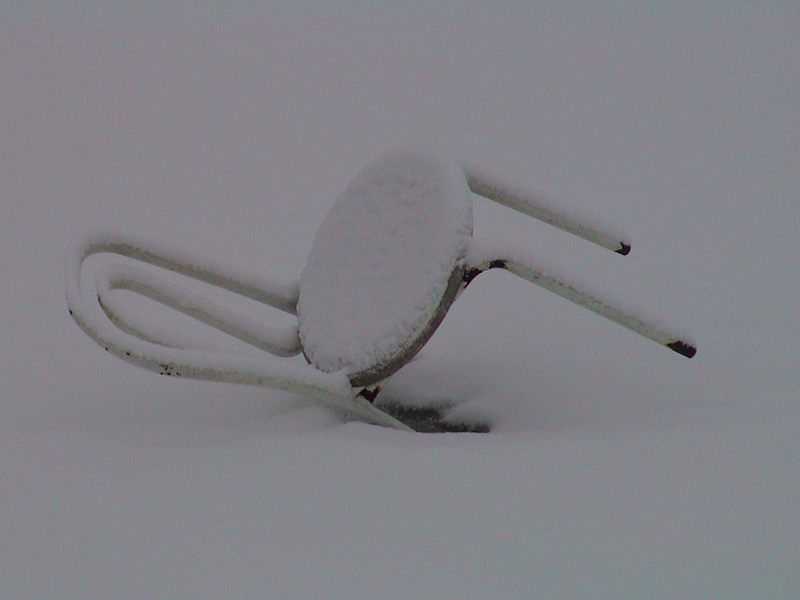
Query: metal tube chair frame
{"points": [[353, 390]]}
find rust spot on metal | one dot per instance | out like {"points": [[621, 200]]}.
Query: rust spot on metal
{"points": [[470, 275], [473, 273], [370, 395]]}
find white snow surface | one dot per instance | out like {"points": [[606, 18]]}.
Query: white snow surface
{"points": [[615, 468], [382, 258]]}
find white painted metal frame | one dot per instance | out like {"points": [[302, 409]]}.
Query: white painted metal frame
{"points": [[144, 349], [147, 347], [485, 255]]}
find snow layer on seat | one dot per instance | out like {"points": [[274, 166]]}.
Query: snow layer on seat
{"points": [[381, 259]]}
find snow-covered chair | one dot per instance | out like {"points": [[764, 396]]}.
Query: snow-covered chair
{"points": [[389, 259]]}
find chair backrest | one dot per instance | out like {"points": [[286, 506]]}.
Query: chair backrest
{"points": [[386, 264]]}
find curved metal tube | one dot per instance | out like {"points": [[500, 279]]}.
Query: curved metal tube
{"points": [[332, 389]]}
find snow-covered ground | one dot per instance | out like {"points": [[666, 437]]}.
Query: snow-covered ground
{"points": [[615, 468]]}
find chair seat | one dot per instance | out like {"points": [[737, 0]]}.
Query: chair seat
{"points": [[385, 265]]}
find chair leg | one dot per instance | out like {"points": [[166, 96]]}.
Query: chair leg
{"points": [[484, 255], [485, 185]]}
